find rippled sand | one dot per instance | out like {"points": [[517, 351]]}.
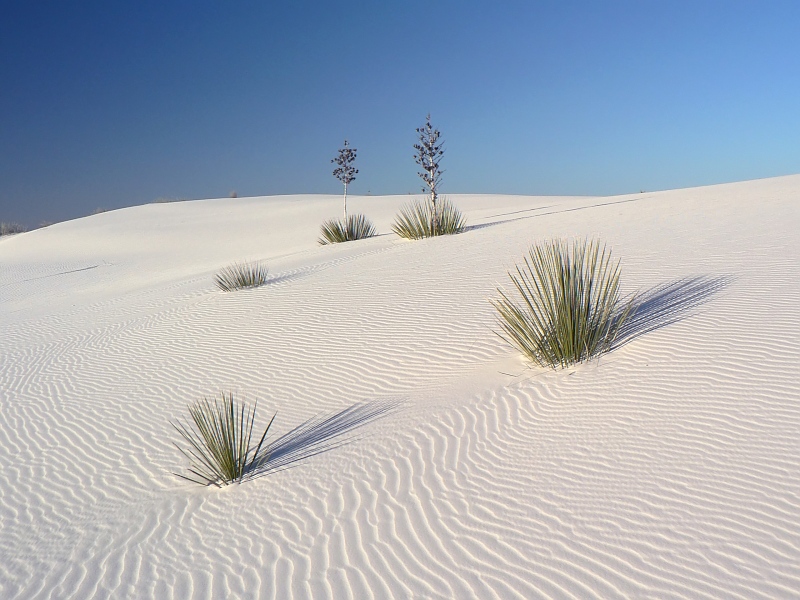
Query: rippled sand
{"points": [[670, 468]]}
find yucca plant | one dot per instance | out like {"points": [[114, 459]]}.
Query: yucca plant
{"points": [[354, 227], [430, 150], [220, 443], [568, 307], [345, 171], [420, 220], [239, 276]]}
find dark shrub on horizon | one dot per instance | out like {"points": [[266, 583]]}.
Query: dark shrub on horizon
{"points": [[10, 228]]}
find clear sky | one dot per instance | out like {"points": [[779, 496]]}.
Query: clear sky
{"points": [[113, 103]]}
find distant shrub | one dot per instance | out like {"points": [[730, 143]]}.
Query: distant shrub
{"points": [[568, 306], [354, 227], [240, 276], [9, 228], [221, 449], [421, 220]]}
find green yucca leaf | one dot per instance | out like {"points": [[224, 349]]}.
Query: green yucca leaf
{"points": [[239, 276], [220, 450], [418, 220], [567, 307], [356, 227]]}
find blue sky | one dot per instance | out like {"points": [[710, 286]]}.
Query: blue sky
{"points": [[110, 103]]}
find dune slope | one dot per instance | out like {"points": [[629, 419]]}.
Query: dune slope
{"points": [[670, 468]]}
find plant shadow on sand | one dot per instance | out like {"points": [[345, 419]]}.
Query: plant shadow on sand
{"points": [[320, 434], [544, 214], [668, 303]]}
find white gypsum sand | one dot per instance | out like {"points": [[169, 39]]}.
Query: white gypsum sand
{"points": [[669, 468]]}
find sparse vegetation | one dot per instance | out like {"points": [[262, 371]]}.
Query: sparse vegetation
{"points": [[568, 306], [355, 227], [422, 219], [345, 171], [434, 216], [239, 276], [220, 448], [429, 153], [352, 227], [9, 228]]}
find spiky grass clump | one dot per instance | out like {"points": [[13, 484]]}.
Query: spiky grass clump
{"points": [[220, 450], [9, 228], [356, 227], [569, 307], [239, 276], [416, 220]]}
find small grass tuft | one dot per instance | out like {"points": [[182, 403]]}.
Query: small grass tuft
{"points": [[356, 227], [239, 276], [11, 228], [220, 443], [568, 307], [416, 220]]}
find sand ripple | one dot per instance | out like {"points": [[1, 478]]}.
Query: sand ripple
{"points": [[668, 469]]}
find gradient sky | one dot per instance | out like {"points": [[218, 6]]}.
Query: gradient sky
{"points": [[111, 103]]}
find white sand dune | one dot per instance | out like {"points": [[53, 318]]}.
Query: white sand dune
{"points": [[670, 468]]}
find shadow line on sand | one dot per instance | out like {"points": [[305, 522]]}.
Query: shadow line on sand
{"points": [[320, 434], [668, 303], [553, 212]]}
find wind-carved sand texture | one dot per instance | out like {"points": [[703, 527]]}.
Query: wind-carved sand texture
{"points": [[668, 468]]}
